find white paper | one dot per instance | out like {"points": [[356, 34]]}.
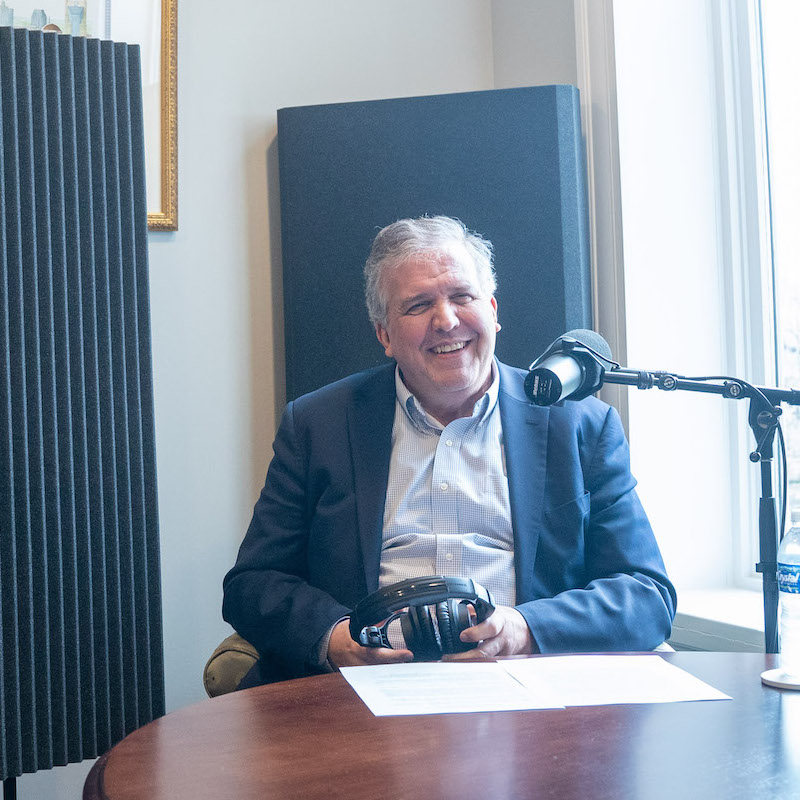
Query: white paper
{"points": [[593, 680], [524, 684], [443, 688]]}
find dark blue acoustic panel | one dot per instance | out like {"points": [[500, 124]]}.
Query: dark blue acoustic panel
{"points": [[81, 656], [508, 163]]}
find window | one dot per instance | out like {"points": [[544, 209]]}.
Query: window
{"points": [[781, 59], [693, 231], [707, 125], [710, 179]]}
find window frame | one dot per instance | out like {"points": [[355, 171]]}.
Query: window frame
{"points": [[743, 232]]}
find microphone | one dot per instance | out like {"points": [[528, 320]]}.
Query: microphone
{"points": [[570, 369]]}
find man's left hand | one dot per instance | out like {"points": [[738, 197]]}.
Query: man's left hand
{"points": [[503, 633]]}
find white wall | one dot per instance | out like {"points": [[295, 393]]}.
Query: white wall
{"points": [[534, 42], [215, 291]]}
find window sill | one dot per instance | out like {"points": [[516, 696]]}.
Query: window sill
{"points": [[724, 620]]}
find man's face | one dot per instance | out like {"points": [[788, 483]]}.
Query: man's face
{"points": [[440, 328]]}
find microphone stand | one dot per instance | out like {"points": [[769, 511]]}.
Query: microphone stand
{"points": [[763, 418]]}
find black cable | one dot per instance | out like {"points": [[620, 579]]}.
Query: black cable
{"points": [[785, 482]]}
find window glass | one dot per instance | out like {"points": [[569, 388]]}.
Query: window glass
{"points": [[781, 55]]}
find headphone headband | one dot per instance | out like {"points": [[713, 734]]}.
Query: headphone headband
{"points": [[427, 590]]}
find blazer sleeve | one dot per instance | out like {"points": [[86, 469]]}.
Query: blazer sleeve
{"points": [[623, 600], [267, 595]]}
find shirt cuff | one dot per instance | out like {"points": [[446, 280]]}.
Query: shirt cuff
{"points": [[319, 655]]}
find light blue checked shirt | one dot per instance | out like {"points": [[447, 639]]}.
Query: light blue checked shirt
{"points": [[447, 510]]}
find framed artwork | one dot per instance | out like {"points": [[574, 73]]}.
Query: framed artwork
{"points": [[153, 25]]}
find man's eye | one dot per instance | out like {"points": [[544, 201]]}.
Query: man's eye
{"points": [[463, 298], [417, 308]]}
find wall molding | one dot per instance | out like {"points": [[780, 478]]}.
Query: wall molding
{"points": [[596, 68]]}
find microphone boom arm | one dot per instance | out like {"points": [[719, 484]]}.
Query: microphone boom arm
{"points": [[669, 382]]}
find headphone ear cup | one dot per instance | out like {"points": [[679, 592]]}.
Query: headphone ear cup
{"points": [[420, 634], [453, 617]]}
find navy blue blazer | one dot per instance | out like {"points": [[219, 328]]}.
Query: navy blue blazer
{"points": [[589, 575]]}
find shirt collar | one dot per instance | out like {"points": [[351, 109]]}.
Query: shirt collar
{"points": [[425, 423]]}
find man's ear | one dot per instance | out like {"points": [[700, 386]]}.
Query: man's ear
{"points": [[497, 325], [383, 338]]}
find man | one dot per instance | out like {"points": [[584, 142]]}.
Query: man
{"points": [[437, 463]]}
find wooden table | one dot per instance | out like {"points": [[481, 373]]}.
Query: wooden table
{"points": [[314, 738]]}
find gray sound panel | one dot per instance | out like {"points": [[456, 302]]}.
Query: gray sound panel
{"points": [[80, 624], [508, 163]]}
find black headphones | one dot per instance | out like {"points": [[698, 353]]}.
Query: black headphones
{"points": [[428, 634]]}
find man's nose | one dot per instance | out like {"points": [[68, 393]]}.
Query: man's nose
{"points": [[445, 317]]}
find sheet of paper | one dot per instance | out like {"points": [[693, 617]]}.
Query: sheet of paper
{"points": [[442, 688], [610, 679]]}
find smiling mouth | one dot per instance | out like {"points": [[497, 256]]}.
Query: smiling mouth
{"points": [[449, 348]]}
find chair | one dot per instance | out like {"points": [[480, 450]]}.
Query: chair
{"points": [[229, 663]]}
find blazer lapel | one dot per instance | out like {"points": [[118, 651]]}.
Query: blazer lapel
{"points": [[525, 440], [370, 422]]}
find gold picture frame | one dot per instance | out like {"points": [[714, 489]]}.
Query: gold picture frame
{"points": [[165, 218]]}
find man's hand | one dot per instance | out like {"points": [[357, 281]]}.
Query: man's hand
{"points": [[503, 633], [344, 652]]}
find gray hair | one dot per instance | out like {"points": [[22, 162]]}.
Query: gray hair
{"points": [[408, 237]]}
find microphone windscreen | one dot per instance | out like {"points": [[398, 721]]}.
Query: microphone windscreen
{"points": [[591, 339]]}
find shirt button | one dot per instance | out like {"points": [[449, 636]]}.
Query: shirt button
{"points": [[449, 556], [444, 487], [449, 442]]}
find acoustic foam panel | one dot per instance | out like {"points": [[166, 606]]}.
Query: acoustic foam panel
{"points": [[508, 163], [80, 624]]}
